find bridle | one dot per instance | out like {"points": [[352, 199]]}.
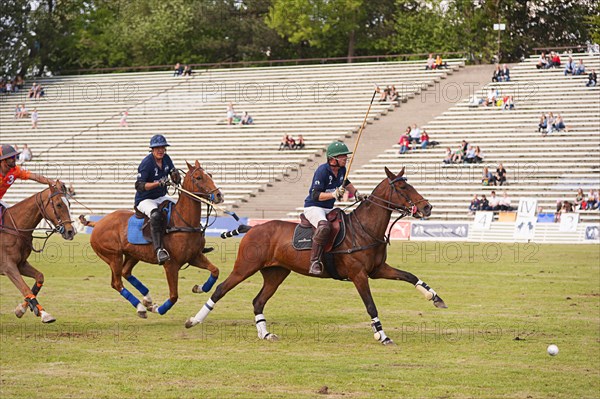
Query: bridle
{"points": [[210, 195], [389, 205]]}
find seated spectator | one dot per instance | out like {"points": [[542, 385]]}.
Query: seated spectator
{"points": [[508, 103], [9, 87], [299, 143], [475, 101], [562, 207], [404, 143], [478, 155], [458, 155], [491, 97], [592, 79], [505, 73], [497, 76], [580, 68], [487, 178], [484, 204], [415, 134], [470, 154], [504, 203], [230, 114], [19, 82], [383, 94], [439, 63], [543, 125], [494, 202], [394, 96], [592, 201], [71, 190], [285, 143], [187, 71], [448, 157], [580, 199], [559, 124], [550, 124], [474, 206], [291, 142], [430, 63], [424, 139], [570, 67], [25, 155], [177, 69], [500, 175], [123, 121], [32, 90], [554, 60], [24, 111], [17, 111], [543, 62], [246, 119]]}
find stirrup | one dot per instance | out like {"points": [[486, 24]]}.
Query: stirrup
{"points": [[316, 268], [162, 255]]}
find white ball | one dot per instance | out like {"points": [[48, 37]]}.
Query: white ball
{"points": [[377, 336], [553, 350]]}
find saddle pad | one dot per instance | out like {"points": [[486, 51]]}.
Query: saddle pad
{"points": [[134, 231], [302, 240]]}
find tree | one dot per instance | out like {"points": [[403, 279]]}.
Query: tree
{"points": [[14, 36]]}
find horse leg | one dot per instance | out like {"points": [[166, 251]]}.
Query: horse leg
{"points": [[361, 282], [391, 273], [14, 274], [115, 261], [202, 262], [272, 279], [172, 272], [29, 271], [128, 266]]}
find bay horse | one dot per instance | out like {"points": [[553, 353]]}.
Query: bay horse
{"points": [[185, 242], [16, 241], [362, 255]]}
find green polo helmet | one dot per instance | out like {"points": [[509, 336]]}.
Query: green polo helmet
{"points": [[337, 148]]}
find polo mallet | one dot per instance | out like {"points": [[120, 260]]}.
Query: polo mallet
{"points": [[230, 213], [360, 134]]}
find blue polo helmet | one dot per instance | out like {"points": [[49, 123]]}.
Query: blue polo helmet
{"points": [[8, 151], [158, 140]]}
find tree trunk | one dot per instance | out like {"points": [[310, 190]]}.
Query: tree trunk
{"points": [[351, 43]]}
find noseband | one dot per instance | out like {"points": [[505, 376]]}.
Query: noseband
{"points": [[210, 195], [59, 226], [392, 206]]}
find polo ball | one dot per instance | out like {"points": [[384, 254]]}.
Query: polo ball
{"points": [[553, 350], [377, 336]]}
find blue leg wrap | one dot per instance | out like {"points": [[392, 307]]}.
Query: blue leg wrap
{"points": [[209, 283], [138, 284], [130, 297], [164, 308]]}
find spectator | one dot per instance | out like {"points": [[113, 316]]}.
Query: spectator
{"points": [[230, 114], [187, 71], [543, 125], [494, 202], [554, 60], [580, 68], [439, 63], [34, 119], [424, 139], [123, 122], [543, 62], [497, 76], [299, 143], [491, 97], [394, 95], [580, 199], [504, 203], [458, 155], [448, 158], [415, 134], [505, 73], [570, 67], [430, 63], [177, 69], [285, 143], [500, 175], [25, 155], [559, 124], [474, 206], [246, 119], [39, 91], [17, 111], [508, 103], [550, 124], [9, 87], [487, 178], [32, 90], [470, 154], [382, 93], [19, 82], [24, 111], [484, 204], [593, 200], [404, 142], [592, 79], [478, 155], [562, 207], [71, 190]]}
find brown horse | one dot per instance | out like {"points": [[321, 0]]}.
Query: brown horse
{"points": [[16, 241], [185, 242], [267, 248]]}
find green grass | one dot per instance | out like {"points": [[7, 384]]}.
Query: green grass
{"points": [[99, 348]]}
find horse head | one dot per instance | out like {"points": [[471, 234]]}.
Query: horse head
{"points": [[199, 182], [404, 198], [56, 209]]}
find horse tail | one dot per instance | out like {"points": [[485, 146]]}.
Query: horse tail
{"points": [[86, 222], [243, 228]]}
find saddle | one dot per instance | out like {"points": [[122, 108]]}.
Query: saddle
{"points": [[304, 231], [138, 226]]}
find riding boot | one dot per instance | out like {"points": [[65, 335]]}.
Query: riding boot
{"points": [[318, 242], [157, 231]]}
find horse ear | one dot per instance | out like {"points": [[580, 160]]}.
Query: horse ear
{"points": [[401, 172], [197, 164], [389, 174], [190, 167]]}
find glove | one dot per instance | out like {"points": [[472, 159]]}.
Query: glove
{"points": [[360, 197], [164, 182], [339, 193], [176, 177]]}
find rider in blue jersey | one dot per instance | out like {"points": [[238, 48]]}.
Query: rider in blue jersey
{"points": [[151, 190], [327, 186]]}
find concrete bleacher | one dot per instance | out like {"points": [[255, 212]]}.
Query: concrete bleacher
{"points": [[545, 168], [79, 138]]}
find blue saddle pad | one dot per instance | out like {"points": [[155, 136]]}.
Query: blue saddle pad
{"points": [[134, 231]]}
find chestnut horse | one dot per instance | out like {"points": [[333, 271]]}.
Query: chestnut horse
{"points": [[184, 242], [16, 241], [362, 255]]}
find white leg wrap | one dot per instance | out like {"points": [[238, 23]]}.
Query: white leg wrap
{"points": [[204, 311], [378, 333], [141, 308], [424, 289], [261, 326]]}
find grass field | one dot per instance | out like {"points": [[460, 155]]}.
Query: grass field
{"points": [[507, 303]]}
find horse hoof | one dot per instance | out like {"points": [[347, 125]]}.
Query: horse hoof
{"points": [[271, 337], [439, 303], [197, 289], [20, 310], [189, 323], [47, 317], [142, 315], [147, 302], [154, 309], [387, 341]]}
